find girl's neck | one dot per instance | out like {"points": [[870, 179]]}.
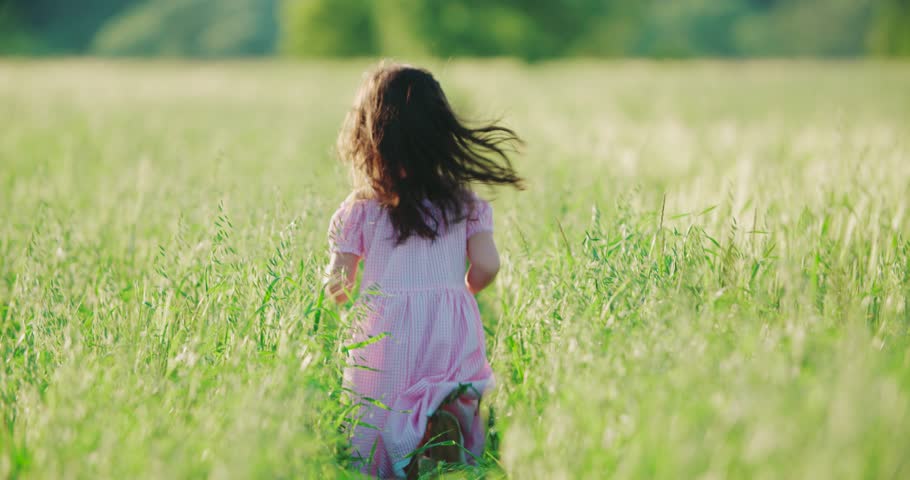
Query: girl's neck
{"points": [[369, 194]]}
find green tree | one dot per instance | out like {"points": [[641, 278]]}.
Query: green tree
{"points": [[687, 28], [204, 28], [54, 26], [323, 28], [14, 39], [807, 28], [889, 34], [528, 29]]}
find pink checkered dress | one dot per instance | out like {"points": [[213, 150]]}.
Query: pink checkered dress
{"points": [[417, 337]]}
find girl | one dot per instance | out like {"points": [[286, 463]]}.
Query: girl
{"points": [[417, 363]]}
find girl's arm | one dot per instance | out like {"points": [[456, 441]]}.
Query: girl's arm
{"points": [[484, 260], [340, 276]]}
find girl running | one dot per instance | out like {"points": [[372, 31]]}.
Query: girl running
{"points": [[417, 363]]}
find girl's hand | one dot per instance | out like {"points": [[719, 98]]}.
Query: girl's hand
{"points": [[484, 260], [340, 276]]}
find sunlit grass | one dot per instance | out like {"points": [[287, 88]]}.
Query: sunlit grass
{"points": [[707, 278]]}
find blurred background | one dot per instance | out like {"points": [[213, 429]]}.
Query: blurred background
{"points": [[526, 29]]}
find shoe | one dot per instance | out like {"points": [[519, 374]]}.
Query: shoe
{"points": [[420, 466]]}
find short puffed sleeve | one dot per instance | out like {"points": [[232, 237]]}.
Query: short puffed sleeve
{"points": [[480, 219], [346, 228]]}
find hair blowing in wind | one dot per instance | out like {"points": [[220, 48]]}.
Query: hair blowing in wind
{"points": [[411, 152]]}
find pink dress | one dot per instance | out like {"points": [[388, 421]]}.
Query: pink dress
{"points": [[417, 336]]}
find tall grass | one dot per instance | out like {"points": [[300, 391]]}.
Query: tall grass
{"points": [[708, 277]]}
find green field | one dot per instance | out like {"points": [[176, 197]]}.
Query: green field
{"points": [[708, 276]]}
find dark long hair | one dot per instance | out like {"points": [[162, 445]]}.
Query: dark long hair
{"points": [[410, 152]]}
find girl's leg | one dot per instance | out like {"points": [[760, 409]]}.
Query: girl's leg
{"points": [[443, 428]]}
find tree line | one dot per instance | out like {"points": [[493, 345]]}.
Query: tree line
{"points": [[528, 29]]}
